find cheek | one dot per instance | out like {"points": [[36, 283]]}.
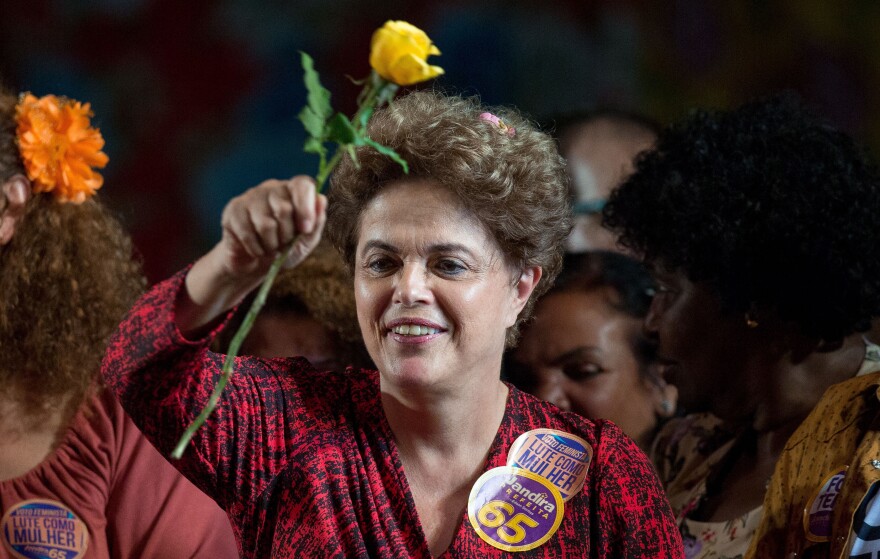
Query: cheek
{"points": [[369, 297], [370, 294], [599, 395], [478, 307], [627, 404], [611, 394]]}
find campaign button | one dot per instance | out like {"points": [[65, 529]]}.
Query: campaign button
{"points": [[559, 457], [43, 529], [514, 510], [817, 515]]}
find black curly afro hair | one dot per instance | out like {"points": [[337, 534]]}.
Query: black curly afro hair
{"points": [[772, 207]]}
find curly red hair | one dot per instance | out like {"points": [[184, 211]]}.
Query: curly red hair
{"points": [[67, 277]]}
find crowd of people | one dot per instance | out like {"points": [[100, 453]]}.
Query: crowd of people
{"points": [[600, 337]]}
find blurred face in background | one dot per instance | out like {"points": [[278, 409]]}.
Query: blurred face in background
{"points": [[705, 350], [289, 334], [579, 353], [600, 156]]}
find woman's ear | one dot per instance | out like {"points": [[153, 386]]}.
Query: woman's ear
{"points": [[528, 281], [16, 191], [525, 283], [665, 397]]}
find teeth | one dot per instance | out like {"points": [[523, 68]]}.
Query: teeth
{"points": [[414, 330]]}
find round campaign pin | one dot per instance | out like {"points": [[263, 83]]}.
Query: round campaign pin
{"points": [[43, 529], [559, 457], [817, 515], [513, 509]]}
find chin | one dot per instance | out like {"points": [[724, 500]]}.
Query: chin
{"points": [[410, 375]]}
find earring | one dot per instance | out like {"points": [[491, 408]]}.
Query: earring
{"points": [[751, 322], [667, 407]]}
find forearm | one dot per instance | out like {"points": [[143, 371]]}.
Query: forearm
{"points": [[157, 374], [271, 219], [209, 293]]}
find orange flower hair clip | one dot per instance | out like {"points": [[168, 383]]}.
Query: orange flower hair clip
{"points": [[59, 148]]}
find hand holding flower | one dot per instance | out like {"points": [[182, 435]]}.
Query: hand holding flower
{"points": [[278, 220]]}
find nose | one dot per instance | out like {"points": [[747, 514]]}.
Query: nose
{"points": [[412, 286], [552, 389]]}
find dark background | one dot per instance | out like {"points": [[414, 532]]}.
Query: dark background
{"points": [[197, 99]]}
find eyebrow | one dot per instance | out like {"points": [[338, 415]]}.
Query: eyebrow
{"points": [[576, 352], [439, 247]]}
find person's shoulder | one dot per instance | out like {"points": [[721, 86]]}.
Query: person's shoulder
{"points": [[701, 429], [839, 408], [100, 415], [538, 413], [297, 375], [847, 399], [689, 444]]}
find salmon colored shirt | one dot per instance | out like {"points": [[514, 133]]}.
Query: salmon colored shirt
{"points": [[105, 492]]}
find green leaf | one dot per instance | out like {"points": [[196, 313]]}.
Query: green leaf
{"points": [[387, 152], [364, 118], [386, 93], [353, 154], [317, 110], [340, 130], [314, 145], [313, 123]]}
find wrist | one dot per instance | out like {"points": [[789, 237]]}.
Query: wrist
{"points": [[211, 289]]}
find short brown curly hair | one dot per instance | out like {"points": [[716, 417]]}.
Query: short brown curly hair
{"points": [[66, 278], [516, 185]]}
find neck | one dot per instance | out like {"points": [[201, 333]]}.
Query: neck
{"points": [[446, 423], [791, 394]]}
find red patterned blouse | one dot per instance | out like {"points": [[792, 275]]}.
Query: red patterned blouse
{"points": [[306, 465]]}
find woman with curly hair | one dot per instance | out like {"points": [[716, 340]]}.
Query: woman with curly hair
{"points": [[759, 224], [77, 479], [431, 454]]}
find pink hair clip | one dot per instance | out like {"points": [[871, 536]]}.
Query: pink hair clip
{"points": [[489, 117]]}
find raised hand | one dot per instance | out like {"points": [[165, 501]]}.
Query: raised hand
{"points": [[266, 219], [256, 226]]}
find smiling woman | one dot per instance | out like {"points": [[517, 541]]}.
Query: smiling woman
{"points": [[419, 247], [417, 458]]}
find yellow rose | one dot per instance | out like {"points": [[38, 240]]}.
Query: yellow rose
{"points": [[398, 53]]}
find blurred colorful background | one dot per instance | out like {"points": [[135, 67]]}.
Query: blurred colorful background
{"points": [[197, 99]]}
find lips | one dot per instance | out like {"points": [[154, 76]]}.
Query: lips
{"points": [[414, 330], [414, 327]]}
